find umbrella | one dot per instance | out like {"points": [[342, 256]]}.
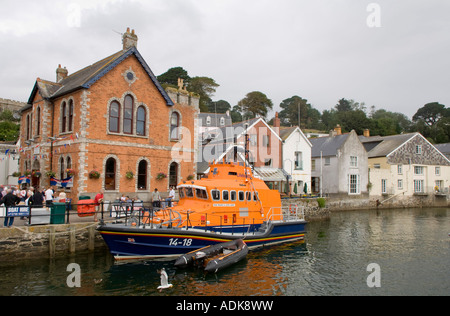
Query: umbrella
{"points": [[305, 189], [295, 188]]}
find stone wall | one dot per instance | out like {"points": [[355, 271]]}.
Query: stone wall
{"points": [[333, 204], [48, 240]]}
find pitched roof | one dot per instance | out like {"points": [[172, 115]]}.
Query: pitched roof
{"points": [[327, 145], [87, 76], [383, 146]]}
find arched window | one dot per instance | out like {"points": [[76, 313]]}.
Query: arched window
{"points": [[110, 174], [128, 115], [69, 163], [70, 127], [173, 174], [63, 117], [38, 121], [174, 124], [142, 175], [140, 121], [114, 117]]}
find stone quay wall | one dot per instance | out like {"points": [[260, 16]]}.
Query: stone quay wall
{"points": [[21, 242]]}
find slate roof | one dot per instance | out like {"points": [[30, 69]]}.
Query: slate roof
{"points": [[215, 119], [383, 146], [86, 77], [444, 148], [327, 145]]}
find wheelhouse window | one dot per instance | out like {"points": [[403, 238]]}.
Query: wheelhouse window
{"points": [[201, 194], [174, 124], [215, 195], [110, 174], [128, 115], [114, 117], [225, 195], [189, 192], [140, 121]]}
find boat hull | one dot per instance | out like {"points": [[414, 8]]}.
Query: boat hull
{"points": [[131, 243]]}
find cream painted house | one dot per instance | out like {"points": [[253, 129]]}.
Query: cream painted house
{"points": [[406, 165]]}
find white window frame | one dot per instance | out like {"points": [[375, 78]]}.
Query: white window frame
{"points": [[418, 186], [354, 184], [354, 161]]}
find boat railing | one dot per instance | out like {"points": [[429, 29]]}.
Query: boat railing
{"points": [[169, 218], [286, 213]]}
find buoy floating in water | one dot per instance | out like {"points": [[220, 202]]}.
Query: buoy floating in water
{"points": [[164, 280]]}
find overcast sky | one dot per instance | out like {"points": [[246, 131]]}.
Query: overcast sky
{"points": [[393, 54]]}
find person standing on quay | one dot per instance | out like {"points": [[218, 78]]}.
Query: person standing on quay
{"points": [[49, 196], [10, 200], [156, 198], [97, 200]]}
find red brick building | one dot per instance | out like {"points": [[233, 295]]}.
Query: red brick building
{"points": [[112, 117]]}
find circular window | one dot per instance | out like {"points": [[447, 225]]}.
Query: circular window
{"points": [[130, 75]]}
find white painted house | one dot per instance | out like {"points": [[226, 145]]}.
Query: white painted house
{"points": [[297, 159]]}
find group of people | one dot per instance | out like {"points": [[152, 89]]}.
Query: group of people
{"points": [[156, 198], [33, 197]]}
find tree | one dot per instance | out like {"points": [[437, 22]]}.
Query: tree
{"points": [[220, 106], [432, 121], [430, 113], [171, 76], [255, 104], [9, 131], [205, 87], [289, 116]]}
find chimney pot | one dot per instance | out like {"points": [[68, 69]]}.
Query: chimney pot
{"points": [[61, 73], [366, 132], [338, 130], [129, 39]]}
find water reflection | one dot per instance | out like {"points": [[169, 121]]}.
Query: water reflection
{"points": [[412, 248]]}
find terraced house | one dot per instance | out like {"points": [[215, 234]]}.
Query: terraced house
{"points": [[406, 165], [112, 117]]}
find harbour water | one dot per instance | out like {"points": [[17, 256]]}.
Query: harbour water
{"points": [[410, 247]]}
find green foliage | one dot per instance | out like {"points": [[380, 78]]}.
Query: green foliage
{"points": [[289, 116], [9, 131], [171, 76], [321, 202], [205, 87], [255, 104]]}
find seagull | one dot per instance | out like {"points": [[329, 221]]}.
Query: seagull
{"points": [[164, 281]]}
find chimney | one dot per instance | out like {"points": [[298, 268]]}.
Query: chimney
{"points": [[366, 133], [61, 73], [276, 123], [129, 39], [338, 130]]}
